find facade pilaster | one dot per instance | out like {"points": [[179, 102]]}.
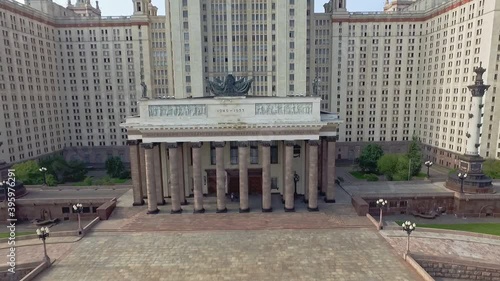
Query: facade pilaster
{"points": [[135, 171], [289, 190], [173, 153], [150, 178], [313, 176], [221, 177], [197, 185], [266, 177], [330, 189], [243, 166]]}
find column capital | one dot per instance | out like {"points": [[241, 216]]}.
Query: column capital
{"points": [[331, 138], [313, 142], [171, 145], [289, 143], [196, 144], [243, 144], [133, 142], [265, 143], [147, 145], [219, 143]]}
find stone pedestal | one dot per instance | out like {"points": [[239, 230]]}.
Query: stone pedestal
{"points": [[289, 190], [476, 181], [243, 167], [220, 177], [266, 177], [197, 189], [150, 178], [173, 156]]}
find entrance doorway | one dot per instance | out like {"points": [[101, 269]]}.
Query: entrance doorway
{"points": [[254, 181]]}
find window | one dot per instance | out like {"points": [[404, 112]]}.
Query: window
{"points": [[274, 152], [233, 152], [274, 183], [254, 153]]}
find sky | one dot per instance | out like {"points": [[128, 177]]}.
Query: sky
{"points": [[124, 7]]}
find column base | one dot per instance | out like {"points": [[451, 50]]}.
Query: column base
{"points": [[138, 204], [176, 211], [185, 203], [154, 212], [267, 210], [291, 210], [329, 200], [199, 211], [221, 211], [162, 202], [313, 209], [247, 210]]}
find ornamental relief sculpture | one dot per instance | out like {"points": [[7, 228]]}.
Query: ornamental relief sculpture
{"points": [[283, 108], [191, 110]]}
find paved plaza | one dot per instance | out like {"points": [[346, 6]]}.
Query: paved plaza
{"points": [[334, 254]]}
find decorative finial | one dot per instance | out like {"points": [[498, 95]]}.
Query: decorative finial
{"points": [[97, 5], [69, 3]]}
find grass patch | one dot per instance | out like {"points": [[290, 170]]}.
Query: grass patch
{"points": [[90, 181], [420, 176], [484, 228], [358, 174], [7, 234]]}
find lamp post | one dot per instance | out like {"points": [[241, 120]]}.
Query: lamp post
{"points": [[381, 203], [462, 177], [43, 233], [78, 209], [296, 179], [43, 170], [428, 164], [409, 228]]}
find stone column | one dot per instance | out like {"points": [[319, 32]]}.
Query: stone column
{"points": [[320, 164], [243, 166], [142, 163], [173, 156], [180, 166], [313, 176], [324, 166], [266, 177], [306, 173], [197, 191], [150, 178], [135, 172], [330, 189], [289, 190], [158, 175], [221, 177]]}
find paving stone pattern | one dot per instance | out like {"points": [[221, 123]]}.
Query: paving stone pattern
{"points": [[335, 254]]}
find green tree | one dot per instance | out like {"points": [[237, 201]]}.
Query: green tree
{"points": [[369, 157], [387, 165], [76, 171], [28, 172], [115, 167], [491, 168], [401, 173], [415, 156]]}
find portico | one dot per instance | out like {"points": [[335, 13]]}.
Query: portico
{"points": [[220, 145]]}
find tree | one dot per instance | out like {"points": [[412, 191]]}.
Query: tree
{"points": [[28, 172], [115, 167], [491, 168], [387, 165], [369, 157], [415, 156]]}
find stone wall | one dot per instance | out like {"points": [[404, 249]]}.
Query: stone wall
{"points": [[96, 156], [458, 268], [352, 150], [406, 204], [20, 271]]}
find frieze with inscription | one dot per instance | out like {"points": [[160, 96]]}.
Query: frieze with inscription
{"points": [[177, 110], [283, 108], [222, 133]]}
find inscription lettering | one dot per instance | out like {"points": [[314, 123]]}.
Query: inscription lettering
{"points": [[222, 133], [232, 110], [177, 110], [283, 108]]}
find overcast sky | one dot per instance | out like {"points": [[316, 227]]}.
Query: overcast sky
{"points": [[124, 7]]}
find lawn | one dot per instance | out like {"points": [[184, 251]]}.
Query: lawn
{"points": [[7, 234], [485, 228], [89, 181], [358, 174]]}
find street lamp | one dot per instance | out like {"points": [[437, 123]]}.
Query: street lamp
{"points": [[409, 228], [43, 233], [462, 177], [381, 203], [78, 208], [428, 164], [43, 170]]}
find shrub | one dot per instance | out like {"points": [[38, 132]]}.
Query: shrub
{"points": [[371, 177]]}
